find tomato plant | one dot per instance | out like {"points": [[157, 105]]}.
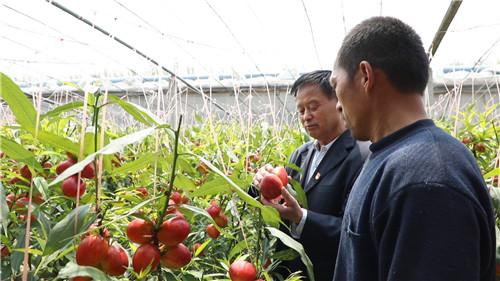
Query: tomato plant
{"points": [[104, 202], [150, 201]]}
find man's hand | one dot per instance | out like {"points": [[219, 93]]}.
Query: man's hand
{"points": [[289, 210], [266, 169]]}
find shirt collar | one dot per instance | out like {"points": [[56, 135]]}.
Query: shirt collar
{"points": [[318, 147]]}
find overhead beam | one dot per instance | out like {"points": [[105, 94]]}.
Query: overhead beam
{"points": [[443, 27], [135, 50]]}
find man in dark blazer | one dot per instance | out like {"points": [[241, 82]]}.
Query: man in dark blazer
{"points": [[329, 166]]}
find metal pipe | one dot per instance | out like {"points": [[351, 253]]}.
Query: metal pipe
{"points": [[443, 27], [133, 49]]}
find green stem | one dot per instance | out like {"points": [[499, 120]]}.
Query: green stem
{"points": [[96, 131], [104, 104], [72, 131], [101, 219], [172, 176], [259, 237], [223, 203]]}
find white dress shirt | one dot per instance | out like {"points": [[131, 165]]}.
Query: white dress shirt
{"points": [[319, 153]]}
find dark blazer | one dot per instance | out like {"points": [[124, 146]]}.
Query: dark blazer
{"points": [[326, 194]]}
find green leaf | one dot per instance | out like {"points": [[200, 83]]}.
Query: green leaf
{"points": [[73, 270], [293, 166], [285, 255], [131, 211], [16, 258], [57, 255], [33, 252], [19, 153], [6, 271], [212, 187], [107, 165], [73, 169], [184, 165], [89, 148], [62, 233], [495, 197], [230, 153], [76, 86], [241, 179], [240, 246], [203, 212], [4, 210], [202, 247], [183, 182], [58, 142], [290, 242], [41, 185], [19, 104], [298, 193], [90, 97], [198, 118], [164, 163], [294, 276], [113, 147], [118, 144], [43, 224], [89, 142], [196, 210], [140, 114], [63, 108], [267, 277], [269, 214], [492, 173], [135, 165]]}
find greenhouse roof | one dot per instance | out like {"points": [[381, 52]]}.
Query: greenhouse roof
{"points": [[219, 40]]}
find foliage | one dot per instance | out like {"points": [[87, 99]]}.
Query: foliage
{"points": [[210, 167], [214, 162]]}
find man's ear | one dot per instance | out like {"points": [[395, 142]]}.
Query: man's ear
{"points": [[367, 76]]}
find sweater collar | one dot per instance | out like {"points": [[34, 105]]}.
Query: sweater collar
{"points": [[400, 134]]}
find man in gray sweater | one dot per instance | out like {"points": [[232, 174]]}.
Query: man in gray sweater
{"points": [[420, 209]]}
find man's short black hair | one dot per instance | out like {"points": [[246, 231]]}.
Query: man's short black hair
{"points": [[388, 44], [318, 77]]}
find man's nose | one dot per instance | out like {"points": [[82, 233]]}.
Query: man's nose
{"points": [[307, 115]]}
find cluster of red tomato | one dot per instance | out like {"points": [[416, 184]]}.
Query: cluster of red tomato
{"points": [[164, 245], [220, 219], [70, 186], [95, 250]]}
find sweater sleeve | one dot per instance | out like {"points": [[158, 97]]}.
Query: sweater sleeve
{"points": [[430, 232]]}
